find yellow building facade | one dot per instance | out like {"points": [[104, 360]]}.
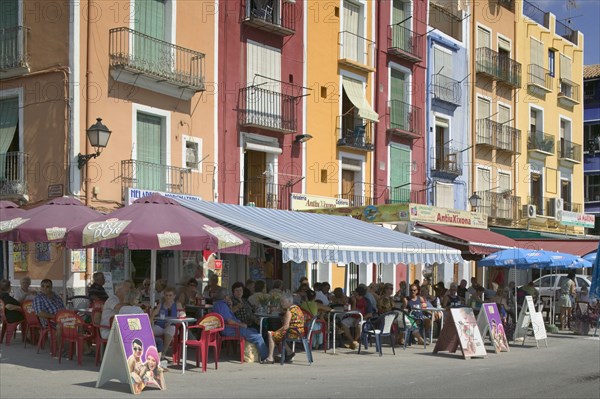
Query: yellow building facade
{"points": [[550, 116]]}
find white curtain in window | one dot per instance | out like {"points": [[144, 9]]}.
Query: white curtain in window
{"points": [[9, 116]]}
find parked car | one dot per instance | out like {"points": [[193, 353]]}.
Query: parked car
{"points": [[549, 285]]}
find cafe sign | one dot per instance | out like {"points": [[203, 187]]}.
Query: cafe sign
{"points": [[301, 202], [568, 218], [446, 216]]}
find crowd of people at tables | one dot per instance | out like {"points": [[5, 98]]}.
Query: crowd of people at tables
{"points": [[239, 306]]}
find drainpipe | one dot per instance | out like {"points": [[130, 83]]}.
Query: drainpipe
{"points": [[88, 148], [377, 137]]}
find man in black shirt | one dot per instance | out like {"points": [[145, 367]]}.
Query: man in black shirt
{"points": [[12, 307], [96, 290]]}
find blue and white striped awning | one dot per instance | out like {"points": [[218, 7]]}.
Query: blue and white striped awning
{"points": [[321, 238]]}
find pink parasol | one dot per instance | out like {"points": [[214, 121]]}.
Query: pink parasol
{"points": [[9, 210], [156, 223]]}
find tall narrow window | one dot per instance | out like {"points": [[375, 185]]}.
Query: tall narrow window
{"points": [[551, 58]]}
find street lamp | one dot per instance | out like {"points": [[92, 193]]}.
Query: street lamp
{"points": [[302, 138], [98, 134], [475, 201]]}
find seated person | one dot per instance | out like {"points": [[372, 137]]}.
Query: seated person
{"points": [[12, 307], [241, 307], [145, 289], [213, 286], [292, 318], [529, 289], [476, 300], [363, 305], [46, 305], [113, 305], [451, 298], [386, 302], [168, 308], [339, 299], [23, 292], [222, 306], [413, 303], [300, 294], [277, 287], [96, 290], [188, 293], [259, 291], [315, 309], [322, 292]]}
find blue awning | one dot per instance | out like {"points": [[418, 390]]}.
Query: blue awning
{"points": [[314, 237]]}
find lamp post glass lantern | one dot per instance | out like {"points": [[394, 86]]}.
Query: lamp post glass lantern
{"points": [[98, 135], [475, 201]]}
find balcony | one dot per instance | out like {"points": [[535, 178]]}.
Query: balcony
{"points": [[14, 54], [13, 176], [500, 205], [542, 205], [405, 43], [498, 67], [536, 14], [264, 194], [405, 119], [156, 177], [540, 142], [539, 78], [508, 4], [446, 89], [508, 139], [566, 33], [446, 164], [355, 133], [144, 61], [267, 109], [404, 195], [573, 207], [569, 151], [487, 132], [568, 92], [356, 51], [278, 17]]}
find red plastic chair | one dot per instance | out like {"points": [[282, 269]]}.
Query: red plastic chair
{"points": [[210, 326], [74, 331], [8, 329], [236, 337], [34, 325], [98, 340]]}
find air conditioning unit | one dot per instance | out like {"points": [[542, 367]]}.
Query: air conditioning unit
{"points": [[556, 206], [529, 211]]}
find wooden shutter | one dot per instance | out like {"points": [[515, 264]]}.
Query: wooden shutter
{"points": [[483, 38]]}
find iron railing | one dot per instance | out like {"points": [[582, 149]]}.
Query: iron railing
{"points": [[565, 32], [542, 205], [362, 194], [265, 194], [355, 133], [404, 118], [267, 109], [13, 174], [156, 58], [498, 66], [405, 43], [403, 195], [271, 15], [447, 163], [573, 207], [499, 205], [13, 47], [508, 139], [540, 141], [537, 14], [487, 132], [508, 4], [569, 150], [539, 76], [356, 49], [568, 90], [446, 89], [153, 176]]}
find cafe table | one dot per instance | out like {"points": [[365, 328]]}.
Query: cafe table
{"points": [[262, 316], [431, 311], [335, 314], [183, 322]]}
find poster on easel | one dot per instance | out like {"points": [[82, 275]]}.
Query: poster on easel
{"points": [[490, 324], [530, 318], [131, 356], [461, 330]]}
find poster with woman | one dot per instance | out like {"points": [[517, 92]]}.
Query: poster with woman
{"points": [[495, 327], [468, 332]]}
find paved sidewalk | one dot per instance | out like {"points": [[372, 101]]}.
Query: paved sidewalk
{"points": [[569, 368]]}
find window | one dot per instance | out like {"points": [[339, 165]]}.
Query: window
{"points": [[444, 195], [442, 139], [192, 152], [483, 180], [151, 152], [11, 161], [536, 52], [565, 194], [591, 137], [565, 76], [592, 188], [536, 190], [582, 283], [152, 21], [483, 37], [551, 67], [589, 89], [400, 174], [353, 33]]}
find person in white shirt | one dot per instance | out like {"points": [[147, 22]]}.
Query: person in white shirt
{"points": [[23, 292], [113, 305], [320, 295]]}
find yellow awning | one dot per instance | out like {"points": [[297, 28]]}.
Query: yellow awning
{"points": [[356, 94]]}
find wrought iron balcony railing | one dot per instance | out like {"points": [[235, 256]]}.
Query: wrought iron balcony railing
{"points": [[14, 51], [153, 176], [508, 139], [539, 77], [542, 205], [500, 205], [362, 194], [569, 150], [536, 14], [13, 175], [160, 60], [357, 135], [267, 109], [565, 32], [541, 142], [572, 207], [568, 92], [404, 195], [447, 164], [264, 194], [446, 89], [487, 132], [405, 119], [356, 51], [498, 66], [405, 43], [274, 16]]}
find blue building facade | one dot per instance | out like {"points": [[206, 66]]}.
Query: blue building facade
{"points": [[591, 142]]}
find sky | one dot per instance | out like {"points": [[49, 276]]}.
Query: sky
{"points": [[585, 17]]}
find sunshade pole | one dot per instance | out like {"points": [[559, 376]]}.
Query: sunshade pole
{"points": [[516, 305], [152, 276], [65, 272]]}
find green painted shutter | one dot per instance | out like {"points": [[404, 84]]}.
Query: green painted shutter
{"points": [[150, 172], [150, 21], [399, 14], [9, 14], [400, 171], [398, 113]]}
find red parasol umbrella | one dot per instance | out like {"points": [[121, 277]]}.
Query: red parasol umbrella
{"points": [[9, 210], [156, 222]]}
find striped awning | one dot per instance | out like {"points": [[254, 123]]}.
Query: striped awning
{"points": [[321, 238]]}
